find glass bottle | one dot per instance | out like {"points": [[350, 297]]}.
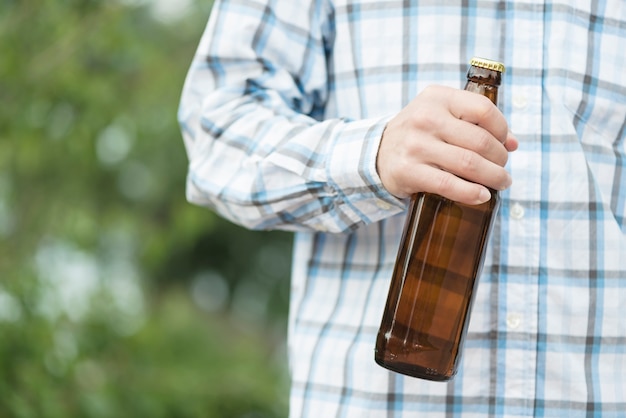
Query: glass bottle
{"points": [[435, 276]]}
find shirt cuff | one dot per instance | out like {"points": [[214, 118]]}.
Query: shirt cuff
{"points": [[352, 172]]}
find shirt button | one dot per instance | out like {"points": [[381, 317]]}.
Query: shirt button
{"points": [[513, 320], [517, 211], [383, 205], [520, 102]]}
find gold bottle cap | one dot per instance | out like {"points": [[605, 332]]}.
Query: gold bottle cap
{"points": [[488, 64]]}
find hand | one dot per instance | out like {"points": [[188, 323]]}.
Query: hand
{"points": [[446, 141]]}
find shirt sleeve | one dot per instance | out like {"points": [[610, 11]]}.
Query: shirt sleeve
{"points": [[261, 151]]}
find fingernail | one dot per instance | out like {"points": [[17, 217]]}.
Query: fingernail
{"points": [[509, 182], [511, 137], [484, 196]]}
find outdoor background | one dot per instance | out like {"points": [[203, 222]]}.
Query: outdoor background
{"points": [[117, 297]]}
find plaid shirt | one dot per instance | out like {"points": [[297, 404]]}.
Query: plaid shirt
{"points": [[282, 114]]}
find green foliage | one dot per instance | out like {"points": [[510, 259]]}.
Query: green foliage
{"points": [[117, 297], [179, 364]]}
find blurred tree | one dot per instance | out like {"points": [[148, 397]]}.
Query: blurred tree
{"points": [[118, 298]]}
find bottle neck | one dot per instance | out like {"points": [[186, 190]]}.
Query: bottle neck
{"points": [[484, 81], [487, 90]]}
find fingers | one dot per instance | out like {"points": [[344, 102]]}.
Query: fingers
{"points": [[466, 164], [511, 143], [449, 142], [478, 110], [452, 187], [473, 137]]}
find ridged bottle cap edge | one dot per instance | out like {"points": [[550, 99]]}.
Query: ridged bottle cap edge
{"points": [[487, 63]]}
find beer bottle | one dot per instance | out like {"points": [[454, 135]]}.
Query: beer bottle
{"points": [[435, 276]]}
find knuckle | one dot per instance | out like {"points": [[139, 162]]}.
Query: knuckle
{"points": [[483, 142], [485, 108], [445, 183], [431, 90], [467, 161], [426, 118]]}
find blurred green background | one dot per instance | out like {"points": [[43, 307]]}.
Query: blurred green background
{"points": [[117, 297]]}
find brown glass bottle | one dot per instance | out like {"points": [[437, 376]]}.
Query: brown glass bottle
{"points": [[435, 276]]}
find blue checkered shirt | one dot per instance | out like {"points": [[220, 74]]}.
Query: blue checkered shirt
{"points": [[282, 114]]}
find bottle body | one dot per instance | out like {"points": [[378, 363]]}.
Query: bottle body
{"points": [[433, 286], [435, 277]]}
